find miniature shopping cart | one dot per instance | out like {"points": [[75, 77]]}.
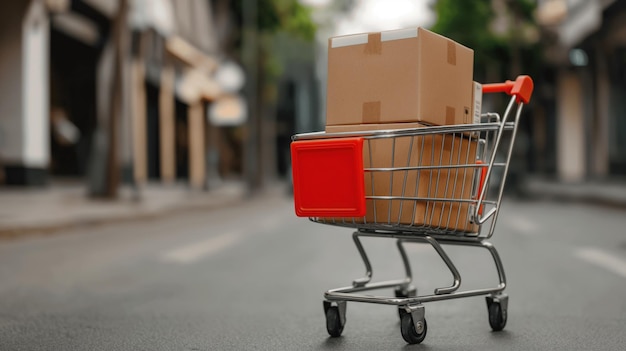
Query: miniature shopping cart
{"points": [[439, 185]]}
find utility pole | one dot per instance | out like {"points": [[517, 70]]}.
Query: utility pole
{"points": [[120, 37], [250, 56], [105, 168]]}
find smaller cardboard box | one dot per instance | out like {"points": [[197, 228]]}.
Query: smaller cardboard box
{"points": [[435, 183], [477, 97], [408, 75]]}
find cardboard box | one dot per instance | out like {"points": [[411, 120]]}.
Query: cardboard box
{"points": [[429, 150], [477, 97], [408, 75]]}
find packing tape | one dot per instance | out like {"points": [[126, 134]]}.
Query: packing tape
{"points": [[348, 40], [371, 112], [451, 53], [450, 114], [373, 46], [398, 34], [360, 39]]}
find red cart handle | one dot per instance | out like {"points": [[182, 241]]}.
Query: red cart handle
{"points": [[522, 88]]}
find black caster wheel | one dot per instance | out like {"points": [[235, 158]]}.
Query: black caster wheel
{"points": [[410, 291], [333, 322], [335, 319], [497, 309], [409, 333]]}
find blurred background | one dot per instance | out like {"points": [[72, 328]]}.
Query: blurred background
{"points": [[121, 112], [111, 93]]}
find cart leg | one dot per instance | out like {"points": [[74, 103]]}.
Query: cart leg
{"points": [[407, 268], [335, 313], [406, 289], [497, 303], [455, 273], [498, 262], [368, 267], [494, 254]]}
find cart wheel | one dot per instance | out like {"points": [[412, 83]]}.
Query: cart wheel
{"points": [[497, 313], [333, 322], [410, 291], [407, 327]]}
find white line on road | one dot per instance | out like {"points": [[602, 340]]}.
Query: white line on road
{"points": [[603, 259], [196, 251], [199, 250]]}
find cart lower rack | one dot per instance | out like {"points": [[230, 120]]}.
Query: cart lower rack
{"points": [[434, 185]]}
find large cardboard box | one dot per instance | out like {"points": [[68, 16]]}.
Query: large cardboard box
{"points": [[408, 75], [417, 151]]}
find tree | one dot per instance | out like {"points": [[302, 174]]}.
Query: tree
{"points": [[501, 32], [258, 20], [505, 40]]}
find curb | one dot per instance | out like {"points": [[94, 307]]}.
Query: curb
{"points": [[589, 197], [588, 200], [51, 228]]}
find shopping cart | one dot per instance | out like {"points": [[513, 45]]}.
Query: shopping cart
{"points": [[439, 185]]}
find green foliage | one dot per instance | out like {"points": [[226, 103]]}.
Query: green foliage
{"points": [[470, 23], [295, 18], [281, 15], [526, 8], [465, 21], [272, 17]]}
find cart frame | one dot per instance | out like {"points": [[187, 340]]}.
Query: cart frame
{"points": [[410, 304]]}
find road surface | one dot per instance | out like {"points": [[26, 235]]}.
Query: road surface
{"points": [[251, 277]]}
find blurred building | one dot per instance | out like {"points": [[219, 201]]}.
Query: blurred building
{"points": [[68, 67], [298, 107], [586, 50]]}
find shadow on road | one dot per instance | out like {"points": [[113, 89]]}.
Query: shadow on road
{"points": [[331, 343]]}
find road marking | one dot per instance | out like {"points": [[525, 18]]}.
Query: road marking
{"points": [[603, 259], [196, 251]]}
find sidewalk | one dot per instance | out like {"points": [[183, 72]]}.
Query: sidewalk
{"points": [[606, 193], [61, 206]]}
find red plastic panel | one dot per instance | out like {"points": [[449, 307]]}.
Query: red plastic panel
{"points": [[481, 185], [328, 177]]}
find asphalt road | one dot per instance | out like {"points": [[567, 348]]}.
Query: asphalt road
{"points": [[252, 277]]}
